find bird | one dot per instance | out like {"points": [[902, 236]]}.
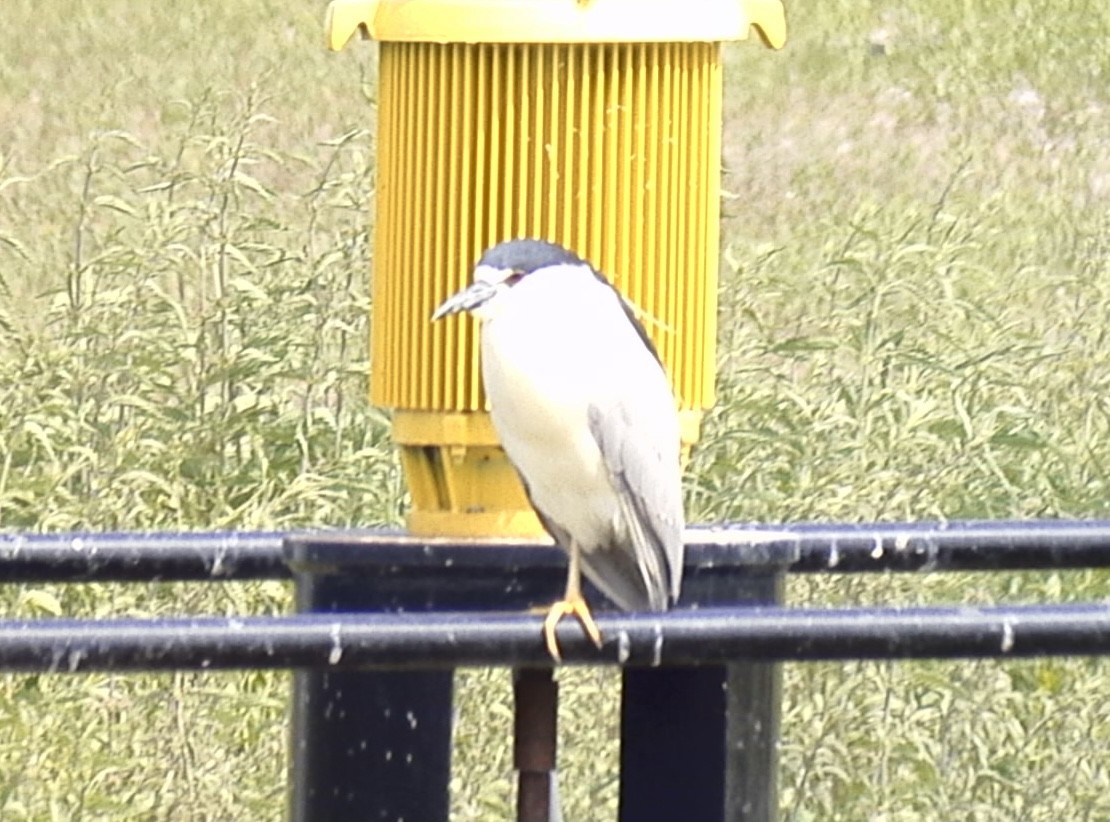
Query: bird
{"points": [[584, 411]]}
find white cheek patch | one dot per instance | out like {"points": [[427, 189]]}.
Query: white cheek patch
{"points": [[502, 280], [493, 276]]}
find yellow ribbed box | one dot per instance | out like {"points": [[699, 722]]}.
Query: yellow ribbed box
{"points": [[506, 118]]}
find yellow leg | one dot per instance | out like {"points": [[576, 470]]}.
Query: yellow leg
{"points": [[572, 604]]}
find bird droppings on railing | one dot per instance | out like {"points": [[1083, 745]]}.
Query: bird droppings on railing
{"points": [[877, 551], [336, 652], [657, 645], [624, 647]]}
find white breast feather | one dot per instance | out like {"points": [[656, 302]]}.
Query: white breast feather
{"points": [[557, 342]]}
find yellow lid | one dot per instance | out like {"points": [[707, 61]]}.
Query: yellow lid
{"points": [[555, 21]]}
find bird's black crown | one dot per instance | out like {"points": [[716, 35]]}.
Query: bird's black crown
{"points": [[526, 255]]}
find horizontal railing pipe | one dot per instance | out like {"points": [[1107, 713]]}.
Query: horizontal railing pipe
{"points": [[453, 639], [985, 545], [798, 548], [142, 557]]}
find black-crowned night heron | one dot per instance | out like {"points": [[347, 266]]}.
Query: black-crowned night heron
{"points": [[582, 406]]}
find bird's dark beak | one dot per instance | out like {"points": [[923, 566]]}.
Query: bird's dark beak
{"points": [[466, 300]]}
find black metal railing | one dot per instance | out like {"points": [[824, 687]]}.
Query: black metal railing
{"points": [[348, 642], [383, 618], [987, 545]]}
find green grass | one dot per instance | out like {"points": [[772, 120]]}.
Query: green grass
{"points": [[915, 293]]}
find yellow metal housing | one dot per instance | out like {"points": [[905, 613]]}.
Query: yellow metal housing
{"points": [[609, 147]]}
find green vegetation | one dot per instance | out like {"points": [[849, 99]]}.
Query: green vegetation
{"points": [[915, 298]]}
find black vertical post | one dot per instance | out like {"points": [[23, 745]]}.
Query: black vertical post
{"points": [[371, 745], [700, 743], [376, 745], [751, 762]]}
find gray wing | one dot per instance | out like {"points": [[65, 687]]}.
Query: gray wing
{"points": [[612, 570], [640, 446]]}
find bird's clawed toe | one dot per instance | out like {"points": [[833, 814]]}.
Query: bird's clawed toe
{"points": [[575, 607]]}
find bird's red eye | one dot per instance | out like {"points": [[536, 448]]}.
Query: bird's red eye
{"points": [[514, 278]]}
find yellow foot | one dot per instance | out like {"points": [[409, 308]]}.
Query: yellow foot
{"points": [[576, 607]]}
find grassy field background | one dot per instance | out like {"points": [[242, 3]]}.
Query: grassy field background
{"points": [[915, 304]]}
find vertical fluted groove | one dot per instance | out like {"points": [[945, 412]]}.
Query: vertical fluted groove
{"points": [[612, 149]]}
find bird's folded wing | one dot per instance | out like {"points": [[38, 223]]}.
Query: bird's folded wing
{"points": [[643, 465]]}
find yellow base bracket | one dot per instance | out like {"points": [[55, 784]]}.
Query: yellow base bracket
{"points": [[461, 482]]}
